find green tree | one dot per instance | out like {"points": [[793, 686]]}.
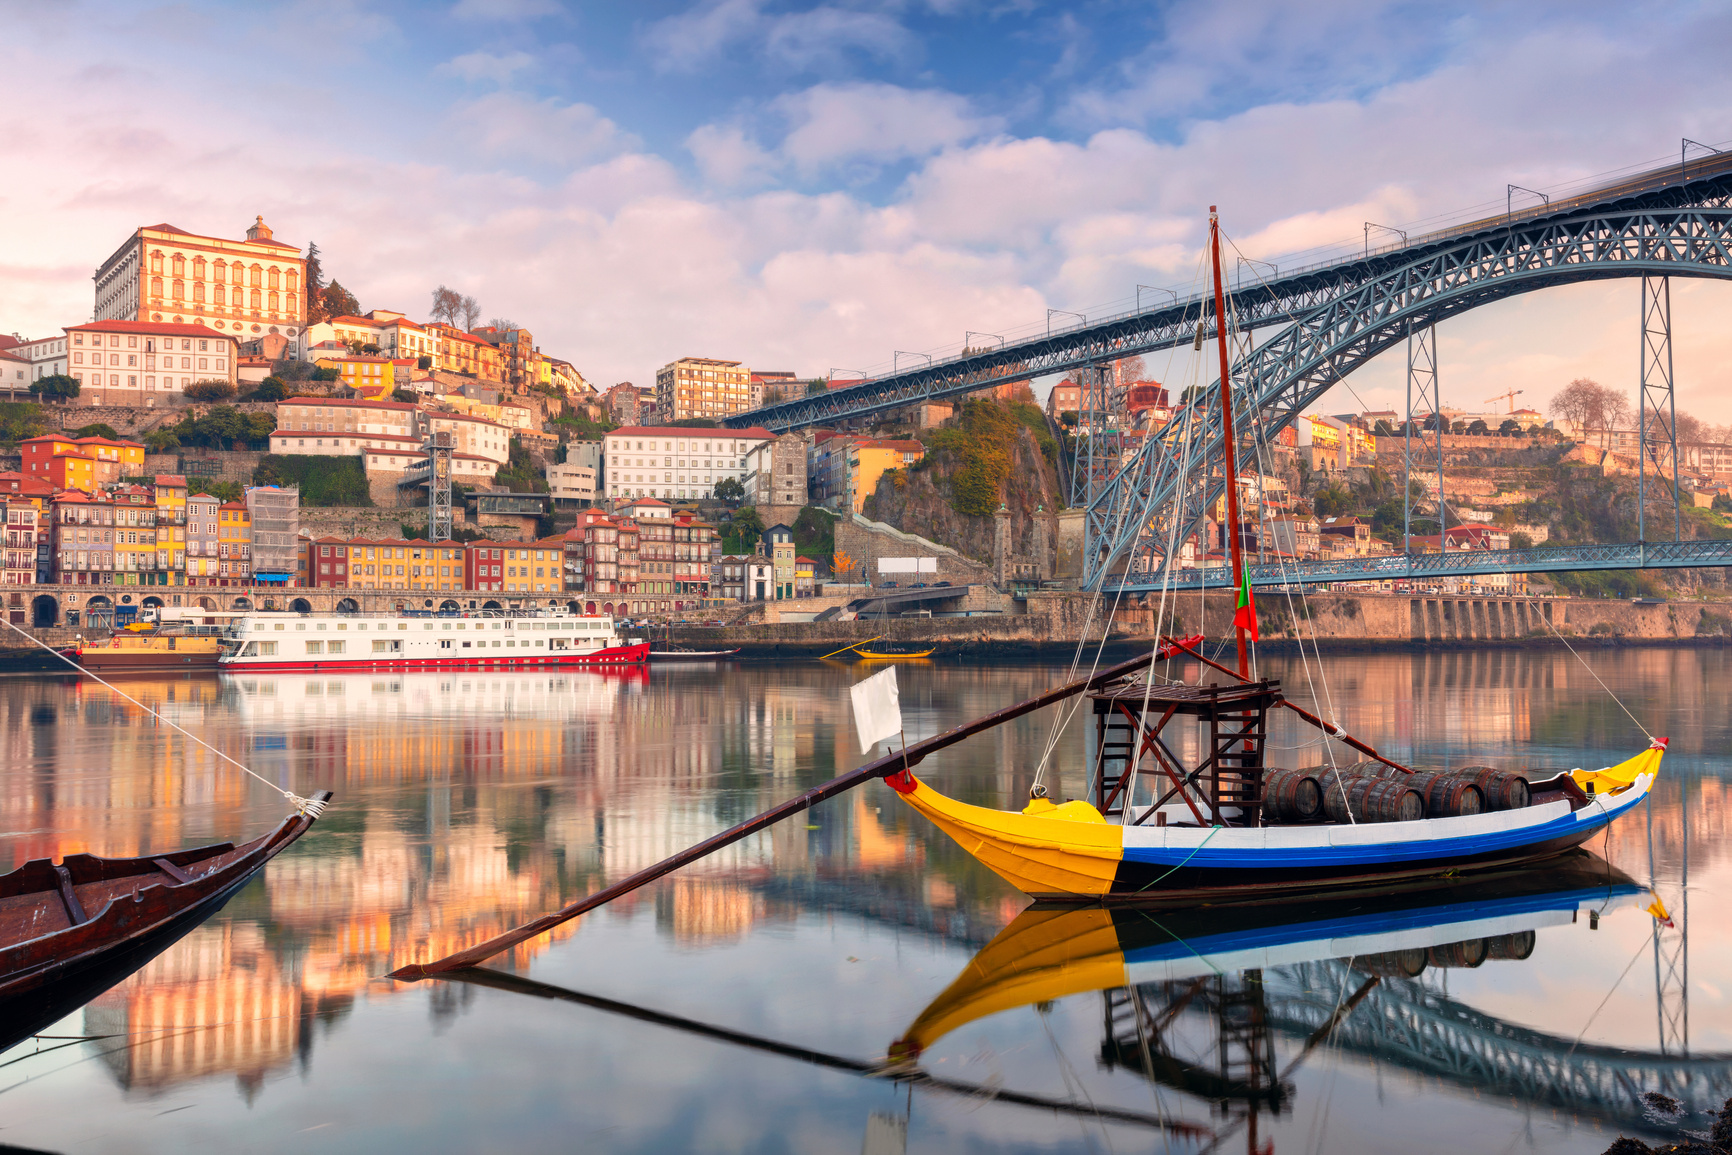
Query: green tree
{"points": [[339, 302], [730, 489], [424, 363], [1479, 428], [271, 389], [260, 426], [55, 387], [813, 388], [315, 285], [406, 396], [323, 374], [694, 423], [1332, 500], [1384, 429], [1520, 540], [161, 441], [324, 481], [98, 429], [1510, 425], [20, 420], [1069, 417], [225, 490], [747, 523], [209, 390]]}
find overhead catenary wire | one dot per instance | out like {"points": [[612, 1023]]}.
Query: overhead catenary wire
{"points": [[311, 807]]}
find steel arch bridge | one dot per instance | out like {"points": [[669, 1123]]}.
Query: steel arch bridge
{"points": [[1331, 319]]}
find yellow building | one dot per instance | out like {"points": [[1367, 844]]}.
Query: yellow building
{"points": [[234, 541], [702, 387], [371, 378], [171, 527], [163, 273], [868, 459], [536, 569]]}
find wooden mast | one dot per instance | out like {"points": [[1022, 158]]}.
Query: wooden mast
{"points": [[1227, 442]]}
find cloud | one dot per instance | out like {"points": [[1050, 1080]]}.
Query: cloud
{"points": [[504, 10], [879, 123], [728, 158], [505, 125], [820, 39], [497, 67]]}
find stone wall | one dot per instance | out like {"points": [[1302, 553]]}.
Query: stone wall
{"points": [[866, 541], [352, 521], [231, 465]]}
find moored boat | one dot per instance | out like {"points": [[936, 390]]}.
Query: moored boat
{"points": [[336, 642], [151, 649], [683, 655], [70, 930]]}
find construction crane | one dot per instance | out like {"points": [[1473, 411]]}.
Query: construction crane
{"points": [[1510, 397]]}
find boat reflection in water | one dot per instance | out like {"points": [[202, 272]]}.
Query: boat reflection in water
{"points": [[1224, 1004]]}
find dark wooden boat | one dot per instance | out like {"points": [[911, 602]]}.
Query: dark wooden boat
{"points": [[70, 931]]}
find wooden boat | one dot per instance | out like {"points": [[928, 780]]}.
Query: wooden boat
{"points": [[1050, 953], [894, 655], [151, 648], [683, 655], [71, 930]]}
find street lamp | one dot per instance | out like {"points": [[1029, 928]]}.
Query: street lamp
{"points": [[1369, 225], [1154, 289], [1065, 313]]}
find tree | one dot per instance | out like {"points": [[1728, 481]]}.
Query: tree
{"points": [[748, 523], [315, 285], [1479, 429], [323, 374], [1132, 369], [503, 323], [1458, 427], [813, 388], [1383, 429], [446, 304], [161, 441], [98, 429], [1520, 540], [730, 489], [55, 387], [1691, 429], [272, 388], [407, 396], [841, 563], [424, 363], [694, 423], [209, 390], [1510, 425], [1332, 500], [469, 309], [226, 490], [339, 302]]}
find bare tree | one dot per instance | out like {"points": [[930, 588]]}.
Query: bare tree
{"points": [[1132, 369], [1691, 429], [469, 309], [446, 303], [1615, 413], [503, 323], [1579, 402]]}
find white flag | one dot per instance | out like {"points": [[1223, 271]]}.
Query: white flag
{"points": [[877, 712]]}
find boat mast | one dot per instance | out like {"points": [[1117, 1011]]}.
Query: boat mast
{"points": [[1227, 443]]}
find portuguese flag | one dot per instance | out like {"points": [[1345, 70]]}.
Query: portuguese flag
{"points": [[1245, 617]]}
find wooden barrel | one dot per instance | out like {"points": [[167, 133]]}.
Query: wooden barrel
{"points": [[1458, 954], [1368, 768], [1516, 945], [1406, 964], [1291, 796], [1503, 789], [1372, 800], [1448, 795]]}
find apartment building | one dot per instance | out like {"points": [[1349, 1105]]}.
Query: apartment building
{"points": [[43, 357], [674, 461], [326, 426], [201, 539], [144, 362], [702, 387]]}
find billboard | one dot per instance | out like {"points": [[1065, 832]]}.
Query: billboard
{"points": [[907, 565]]}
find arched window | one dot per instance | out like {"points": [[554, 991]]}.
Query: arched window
{"points": [[239, 273], [198, 291], [179, 288], [273, 304], [221, 272], [179, 265], [198, 268], [289, 302], [219, 293], [258, 275], [276, 278], [255, 298], [156, 286], [294, 277]]}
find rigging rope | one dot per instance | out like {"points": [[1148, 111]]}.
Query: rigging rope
{"points": [[311, 807]]}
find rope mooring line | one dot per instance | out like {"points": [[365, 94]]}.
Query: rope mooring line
{"points": [[311, 807]]}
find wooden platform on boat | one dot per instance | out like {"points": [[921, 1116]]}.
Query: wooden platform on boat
{"points": [[1186, 698]]}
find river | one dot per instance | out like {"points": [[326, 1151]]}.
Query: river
{"points": [[467, 804]]}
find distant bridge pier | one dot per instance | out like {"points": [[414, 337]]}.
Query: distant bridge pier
{"points": [[1421, 387], [1657, 402]]}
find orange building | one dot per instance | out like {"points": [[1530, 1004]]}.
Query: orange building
{"points": [[244, 289]]}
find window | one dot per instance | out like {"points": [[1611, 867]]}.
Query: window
{"points": [[266, 649], [387, 645], [334, 647], [315, 647]]}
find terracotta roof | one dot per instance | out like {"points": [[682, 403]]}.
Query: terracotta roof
{"points": [[171, 479], [161, 328], [5, 356], [401, 406]]}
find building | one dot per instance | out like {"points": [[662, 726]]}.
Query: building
{"points": [[805, 577], [460, 352], [328, 426], [23, 523], [171, 527], [520, 361], [381, 331], [626, 404], [856, 463], [135, 537], [1350, 535], [202, 539], [370, 378], [674, 462], [778, 545], [274, 513], [674, 570], [14, 374], [702, 387], [776, 471], [1296, 536], [1066, 397], [518, 567], [383, 564], [239, 289], [109, 460], [573, 484], [46, 356], [83, 528], [139, 362], [472, 435], [234, 545]]}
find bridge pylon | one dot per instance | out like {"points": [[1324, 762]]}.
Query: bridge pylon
{"points": [[1659, 410]]}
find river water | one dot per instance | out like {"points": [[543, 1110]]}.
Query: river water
{"points": [[467, 804]]}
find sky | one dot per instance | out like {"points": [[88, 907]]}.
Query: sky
{"points": [[845, 185]]}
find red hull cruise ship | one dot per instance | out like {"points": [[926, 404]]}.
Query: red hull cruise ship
{"points": [[335, 642]]}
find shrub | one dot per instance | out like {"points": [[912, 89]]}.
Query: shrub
{"points": [[209, 390], [323, 480]]}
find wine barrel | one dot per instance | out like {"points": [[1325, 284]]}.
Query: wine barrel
{"points": [[1515, 945], [1291, 796], [1458, 954], [1405, 964], [1448, 795], [1368, 768], [1372, 800], [1503, 789]]}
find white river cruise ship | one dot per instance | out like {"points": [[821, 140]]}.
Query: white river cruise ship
{"points": [[264, 641]]}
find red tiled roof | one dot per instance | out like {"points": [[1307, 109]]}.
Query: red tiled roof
{"points": [[171, 479], [344, 401], [161, 328], [5, 356]]}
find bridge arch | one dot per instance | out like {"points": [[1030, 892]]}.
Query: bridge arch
{"points": [[1352, 319], [348, 606], [301, 606]]}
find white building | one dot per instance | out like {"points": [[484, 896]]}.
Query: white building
{"points": [[326, 426], [45, 355], [394, 334], [475, 435], [673, 461], [130, 360], [572, 482], [14, 373]]}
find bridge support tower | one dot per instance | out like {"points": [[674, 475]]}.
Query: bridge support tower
{"points": [[1422, 391], [1659, 408]]}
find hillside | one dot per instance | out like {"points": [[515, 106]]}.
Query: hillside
{"points": [[990, 453]]}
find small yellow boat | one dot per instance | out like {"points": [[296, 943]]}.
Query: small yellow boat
{"points": [[151, 648], [894, 656]]}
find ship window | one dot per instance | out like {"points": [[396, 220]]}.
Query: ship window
{"points": [[320, 626], [268, 649], [445, 643], [427, 625], [362, 626], [402, 625], [387, 646], [334, 646], [278, 626], [315, 647], [342, 625], [466, 645], [251, 650], [300, 625]]}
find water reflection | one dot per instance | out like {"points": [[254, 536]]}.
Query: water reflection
{"points": [[466, 805]]}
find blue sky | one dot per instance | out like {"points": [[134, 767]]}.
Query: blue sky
{"points": [[809, 186]]}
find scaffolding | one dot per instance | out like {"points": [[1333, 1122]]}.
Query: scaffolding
{"points": [[439, 448], [275, 514]]}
